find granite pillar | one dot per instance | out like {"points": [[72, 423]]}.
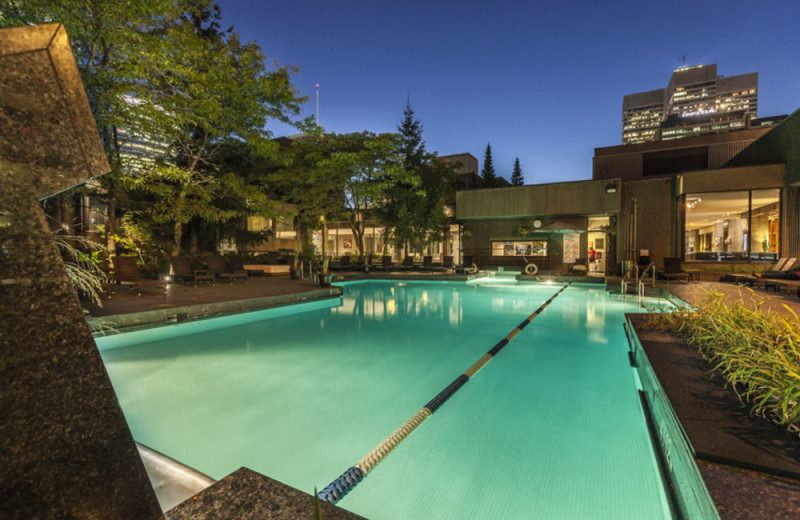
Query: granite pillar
{"points": [[65, 448]]}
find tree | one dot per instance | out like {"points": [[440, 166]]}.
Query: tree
{"points": [[413, 211], [516, 175], [197, 95], [489, 177], [403, 210], [342, 177], [110, 41], [211, 92], [412, 146]]}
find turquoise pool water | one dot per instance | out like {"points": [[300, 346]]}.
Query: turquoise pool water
{"points": [[550, 428]]}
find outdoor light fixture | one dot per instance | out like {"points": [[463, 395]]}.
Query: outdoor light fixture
{"points": [[611, 188]]}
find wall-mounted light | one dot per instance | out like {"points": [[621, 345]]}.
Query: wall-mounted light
{"points": [[611, 188]]}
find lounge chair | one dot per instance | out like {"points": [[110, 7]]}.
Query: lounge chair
{"points": [[466, 265], [237, 264], [408, 264], [342, 265], [761, 280], [182, 271], [386, 264], [427, 264], [579, 267], [446, 265], [126, 272], [778, 275], [217, 267], [673, 270]]}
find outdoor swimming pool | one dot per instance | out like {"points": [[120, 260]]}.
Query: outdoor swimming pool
{"points": [[550, 428]]}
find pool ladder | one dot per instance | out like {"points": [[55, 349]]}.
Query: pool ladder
{"points": [[638, 279], [651, 268]]}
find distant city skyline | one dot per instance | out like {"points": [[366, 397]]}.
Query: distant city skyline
{"points": [[542, 83]]}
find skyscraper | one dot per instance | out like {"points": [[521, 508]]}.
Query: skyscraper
{"points": [[695, 102]]}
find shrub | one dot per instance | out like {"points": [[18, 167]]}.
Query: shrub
{"points": [[758, 353]]}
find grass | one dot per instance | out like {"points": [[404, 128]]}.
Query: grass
{"points": [[757, 353]]}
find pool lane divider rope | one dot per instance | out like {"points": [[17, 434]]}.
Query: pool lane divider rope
{"points": [[337, 489]]}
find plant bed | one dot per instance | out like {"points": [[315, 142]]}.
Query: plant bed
{"points": [[751, 465]]}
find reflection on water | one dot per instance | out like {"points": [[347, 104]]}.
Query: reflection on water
{"points": [[301, 396]]}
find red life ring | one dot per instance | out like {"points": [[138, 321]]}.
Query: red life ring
{"points": [[471, 270]]}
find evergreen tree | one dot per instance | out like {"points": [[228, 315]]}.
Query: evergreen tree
{"points": [[516, 174], [412, 146], [489, 177]]}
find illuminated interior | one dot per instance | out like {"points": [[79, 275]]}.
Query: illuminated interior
{"points": [[732, 225]]}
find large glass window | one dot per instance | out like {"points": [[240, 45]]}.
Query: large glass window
{"points": [[765, 224], [519, 248], [732, 225]]}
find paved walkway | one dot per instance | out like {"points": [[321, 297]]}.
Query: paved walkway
{"points": [[125, 301], [695, 292]]}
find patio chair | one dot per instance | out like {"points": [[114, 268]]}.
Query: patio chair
{"points": [[579, 267], [446, 266], [386, 264], [762, 280], [237, 264], [427, 264], [217, 267], [342, 265], [466, 264], [673, 270], [408, 264], [126, 272], [182, 271]]}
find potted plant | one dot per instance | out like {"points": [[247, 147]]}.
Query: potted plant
{"points": [[294, 272], [324, 276], [367, 262]]}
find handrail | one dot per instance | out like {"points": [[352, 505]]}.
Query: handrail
{"points": [[650, 267], [640, 283], [624, 283]]}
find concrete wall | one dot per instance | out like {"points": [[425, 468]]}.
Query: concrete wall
{"points": [[731, 179], [655, 216], [781, 145], [626, 161], [539, 200], [482, 233]]}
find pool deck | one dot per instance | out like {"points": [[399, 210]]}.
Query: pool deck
{"points": [[733, 450]]}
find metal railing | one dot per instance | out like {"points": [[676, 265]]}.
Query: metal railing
{"points": [[623, 286], [641, 281]]}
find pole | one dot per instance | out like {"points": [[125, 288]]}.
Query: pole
{"points": [[317, 87]]}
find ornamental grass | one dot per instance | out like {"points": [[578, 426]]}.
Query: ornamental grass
{"points": [[758, 353]]}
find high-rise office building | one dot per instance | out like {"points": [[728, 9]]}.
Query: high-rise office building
{"points": [[695, 102]]}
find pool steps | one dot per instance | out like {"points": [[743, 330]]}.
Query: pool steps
{"points": [[337, 489]]}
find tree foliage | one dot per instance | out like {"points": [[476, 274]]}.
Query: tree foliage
{"points": [[413, 214], [201, 93], [487, 172], [341, 177], [516, 174]]}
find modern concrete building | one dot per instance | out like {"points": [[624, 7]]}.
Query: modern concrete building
{"points": [[467, 176], [695, 102], [668, 158], [736, 207]]}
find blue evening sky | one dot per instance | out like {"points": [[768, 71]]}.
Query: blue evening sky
{"points": [[542, 81]]}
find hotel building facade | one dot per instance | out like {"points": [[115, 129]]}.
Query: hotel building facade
{"points": [[696, 101]]}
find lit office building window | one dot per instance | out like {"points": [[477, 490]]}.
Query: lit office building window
{"points": [[732, 226]]}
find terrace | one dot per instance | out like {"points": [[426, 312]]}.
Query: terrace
{"points": [[71, 447]]}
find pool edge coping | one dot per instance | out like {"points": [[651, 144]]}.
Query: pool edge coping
{"points": [[117, 323]]}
